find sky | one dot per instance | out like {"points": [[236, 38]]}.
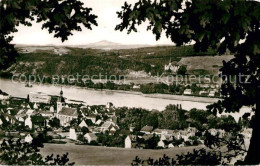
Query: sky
{"points": [[107, 20]]}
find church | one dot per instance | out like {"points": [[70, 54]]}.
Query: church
{"points": [[64, 113]]}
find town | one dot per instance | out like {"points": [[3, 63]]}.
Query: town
{"points": [[59, 120]]}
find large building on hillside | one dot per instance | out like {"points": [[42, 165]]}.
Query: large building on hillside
{"points": [[171, 67]]}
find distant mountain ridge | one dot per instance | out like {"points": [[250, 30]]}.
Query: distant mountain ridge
{"points": [[108, 45], [103, 44]]}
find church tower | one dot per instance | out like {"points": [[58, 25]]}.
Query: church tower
{"points": [[60, 102]]}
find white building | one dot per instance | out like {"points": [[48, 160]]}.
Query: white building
{"points": [[83, 124], [51, 109], [35, 106], [98, 122], [29, 112], [106, 126], [212, 93], [161, 144], [170, 145], [171, 67], [136, 87], [4, 97], [28, 138], [73, 134], [28, 122], [128, 142], [90, 137], [187, 92]]}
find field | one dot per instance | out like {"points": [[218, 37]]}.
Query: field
{"points": [[96, 155]]}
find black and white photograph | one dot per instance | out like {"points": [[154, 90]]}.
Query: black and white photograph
{"points": [[129, 82]]}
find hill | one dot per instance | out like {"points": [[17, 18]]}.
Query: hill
{"points": [[65, 60], [108, 45]]}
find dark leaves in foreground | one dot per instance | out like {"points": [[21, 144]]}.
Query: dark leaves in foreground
{"points": [[197, 157], [15, 152]]}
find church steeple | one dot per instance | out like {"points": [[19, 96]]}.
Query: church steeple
{"points": [[60, 102], [61, 92]]}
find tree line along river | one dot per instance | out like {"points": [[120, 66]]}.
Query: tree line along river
{"points": [[119, 99]]}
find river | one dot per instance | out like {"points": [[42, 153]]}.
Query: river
{"points": [[97, 97]]}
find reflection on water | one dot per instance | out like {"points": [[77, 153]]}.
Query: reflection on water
{"points": [[93, 97]]}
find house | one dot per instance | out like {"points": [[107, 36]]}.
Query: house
{"points": [[46, 114], [161, 144], [158, 131], [128, 142], [170, 145], [98, 122], [28, 106], [4, 97], [51, 109], [163, 132], [181, 145], [204, 85], [212, 93], [113, 129], [35, 106], [20, 112], [187, 92], [90, 137], [1, 122], [203, 93], [113, 119], [28, 122], [28, 138], [107, 126], [29, 112], [92, 118], [19, 118], [147, 129], [165, 137], [83, 124], [136, 87], [73, 134], [177, 134], [66, 115]]}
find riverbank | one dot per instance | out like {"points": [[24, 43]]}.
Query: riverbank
{"points": [[154, 95]]}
